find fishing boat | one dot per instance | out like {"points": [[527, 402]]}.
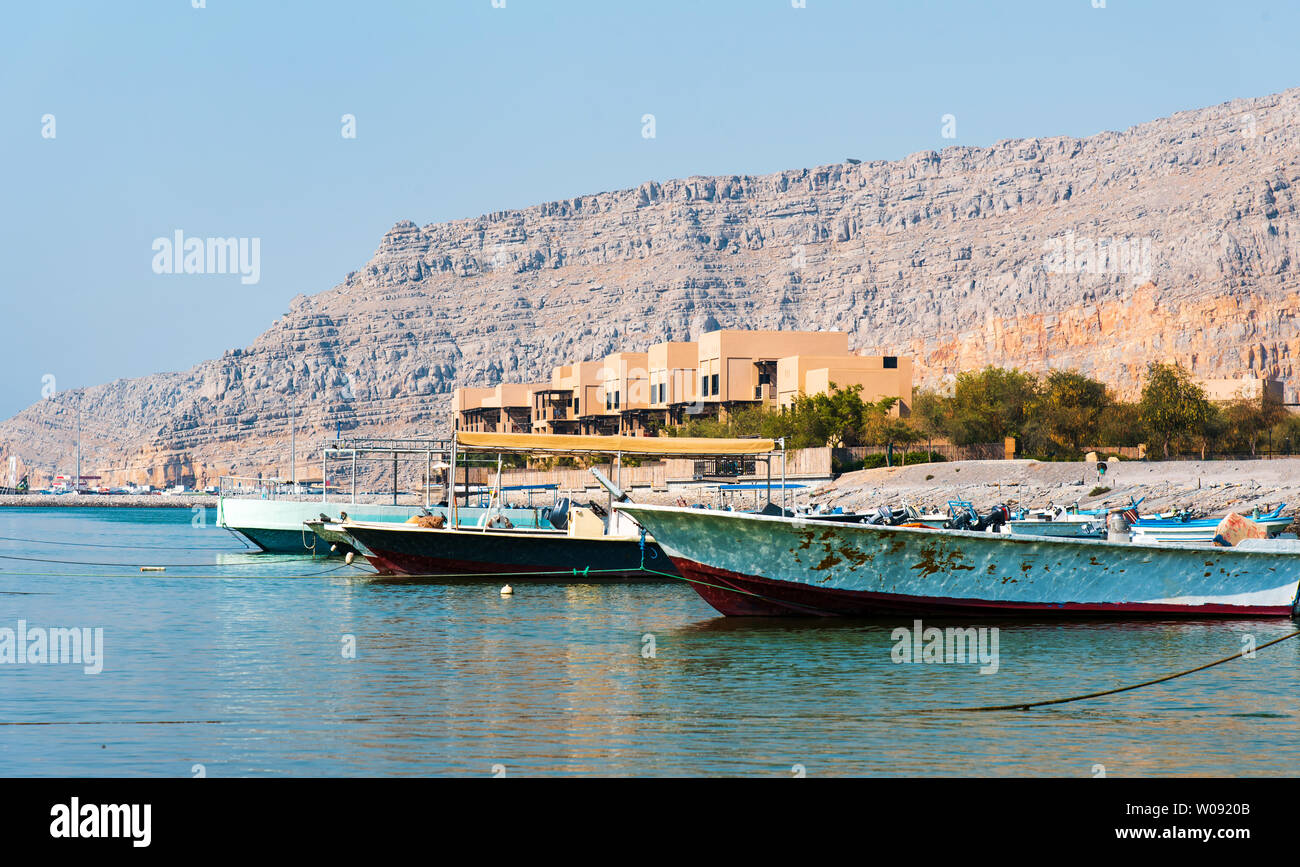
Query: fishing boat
{"points": [[580, 545], [767, 565], [275, 515], [573, 542], [1057, 521], [1188, 530], [280, 525]]}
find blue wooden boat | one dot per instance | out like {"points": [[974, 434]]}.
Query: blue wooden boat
{"points": [[768, 565], [1201, 530]]}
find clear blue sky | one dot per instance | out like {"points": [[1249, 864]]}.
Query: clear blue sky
{"points": [[226, 121]]}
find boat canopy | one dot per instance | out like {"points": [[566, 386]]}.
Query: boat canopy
{"points": [[573, 444]]}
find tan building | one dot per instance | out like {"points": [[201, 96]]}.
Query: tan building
{"points": [[739, 367], [1247, 387], [626, 391], [575, 391], [880, 376], [674, 380], [507, 408], [636, 392]]}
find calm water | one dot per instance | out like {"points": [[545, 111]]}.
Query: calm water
{"points": [[453, 680]]}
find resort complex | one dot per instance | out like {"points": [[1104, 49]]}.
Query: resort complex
{"points": [[637, 393]]}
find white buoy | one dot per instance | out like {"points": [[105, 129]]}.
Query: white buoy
{"points": [[507, 590], [351, 555]]}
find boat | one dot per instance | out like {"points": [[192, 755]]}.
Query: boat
{"points": [[334, 537], [280, 525], [1189, 530], [274, 514], [573, 542], [1057, 521], [579, 544], [769, 565]]}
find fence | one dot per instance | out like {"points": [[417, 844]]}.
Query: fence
{"points": [[950, 452]]}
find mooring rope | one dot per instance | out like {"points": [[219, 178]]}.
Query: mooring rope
{"points": [[94, 563], [187, 575], [110, 545], [1028, 705]]}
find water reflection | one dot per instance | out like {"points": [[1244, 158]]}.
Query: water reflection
{"points": [[454, 679]]}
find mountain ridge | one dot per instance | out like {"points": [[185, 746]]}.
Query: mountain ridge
{"points": [[1179, 233]]}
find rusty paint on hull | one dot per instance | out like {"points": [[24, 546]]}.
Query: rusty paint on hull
{"points": [[752, 564]]}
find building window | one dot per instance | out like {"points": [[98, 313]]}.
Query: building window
{"points": [[891, 361], [609, 400], [764, 378], [575, 405], [714, 383], [704, 386], [616, 400]]}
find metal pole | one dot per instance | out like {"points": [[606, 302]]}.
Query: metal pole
{"points": [[783, 494], [618, 480], [428, 468], [394, 477], [293, 456], [769, 477], [324, 475], [451, 479], [76, 485], [354, 477]]}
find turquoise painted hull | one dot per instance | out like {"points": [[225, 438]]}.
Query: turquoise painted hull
{"points": [[278, 526], [753, 564]]}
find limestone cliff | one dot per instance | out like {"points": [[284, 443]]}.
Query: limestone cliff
{"points": [[1172, 239]]}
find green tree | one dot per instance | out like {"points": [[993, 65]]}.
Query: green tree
{"points": [[1246, 420], [1120, 424], [1173, 406], [991, 404], [890, 431], [1065, 416], [932, 414]]}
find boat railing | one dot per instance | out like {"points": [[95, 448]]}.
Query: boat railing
{"points": [[264, 489]]}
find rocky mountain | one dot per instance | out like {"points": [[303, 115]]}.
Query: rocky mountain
{"points": [[1172, 239]]}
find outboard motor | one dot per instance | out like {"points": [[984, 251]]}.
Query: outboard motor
{"points": [[996, 517], [965, 519], [559, 514], [881, 518]]}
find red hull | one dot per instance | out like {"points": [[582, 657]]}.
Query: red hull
{"points": [[397, 564], [737, 595]]}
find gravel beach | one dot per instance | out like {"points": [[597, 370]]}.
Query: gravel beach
{"points": [[1212, 486]]}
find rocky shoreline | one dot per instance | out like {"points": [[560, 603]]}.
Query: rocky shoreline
{"points": [[1211, 486]]}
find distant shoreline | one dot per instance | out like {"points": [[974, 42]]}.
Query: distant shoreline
{"points": [[106, 501]]}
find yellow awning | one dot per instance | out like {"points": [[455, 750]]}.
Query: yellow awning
{"points": [[568, 443]]}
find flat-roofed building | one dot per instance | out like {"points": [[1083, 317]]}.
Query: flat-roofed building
{"points": [[574, 391], [626, 390], [740, 367], [638, 392], [674, 381], [880, 376], [1245, 388], [506, 408]]}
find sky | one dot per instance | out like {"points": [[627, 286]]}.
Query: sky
{"points": [[124, 123]]}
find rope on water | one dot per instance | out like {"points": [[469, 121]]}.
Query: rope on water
{"points": [[110, 545], [188, 575], [1028, 705], [94, 563]]}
